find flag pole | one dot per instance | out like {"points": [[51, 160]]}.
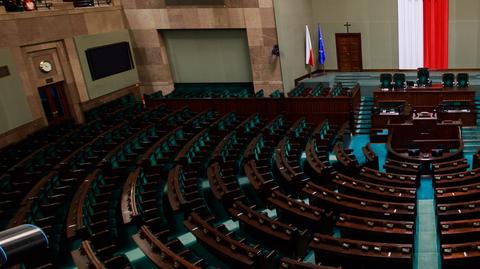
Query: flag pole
{"points": [[321, 49]]}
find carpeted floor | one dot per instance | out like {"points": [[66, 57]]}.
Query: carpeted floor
{"points": [[357, 143], [427, 242]]}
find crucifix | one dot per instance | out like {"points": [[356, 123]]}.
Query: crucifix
{"points": [[348, 26]]}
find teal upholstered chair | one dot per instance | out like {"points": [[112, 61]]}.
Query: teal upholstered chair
{"points": [[423, 77], [448, 80], [386, 81], [399, 80], [462, 80]]}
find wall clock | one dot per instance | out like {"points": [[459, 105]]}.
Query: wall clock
{"points": [[45, 66]]}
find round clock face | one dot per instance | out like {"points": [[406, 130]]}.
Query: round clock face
{"points": [[45, 66]]}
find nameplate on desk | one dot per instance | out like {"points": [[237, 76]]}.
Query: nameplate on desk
{"points": [[4, 71], [458, 111]]}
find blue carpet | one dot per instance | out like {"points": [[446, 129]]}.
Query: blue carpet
{"points": [[310, 257], [336, 233], [427, 242], [381, 150], [357, 143], [469, 157], [425, 191]]}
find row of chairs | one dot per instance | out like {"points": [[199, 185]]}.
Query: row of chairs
{"points": [[456, 193], [21, 177], [299, 91], [321, 91], [398, 80], [172, 173], [47, 204]]}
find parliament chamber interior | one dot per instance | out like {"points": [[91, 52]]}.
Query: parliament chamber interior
{"points": [[260, 134]]}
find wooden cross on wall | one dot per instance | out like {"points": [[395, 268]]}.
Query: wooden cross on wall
{"points": [[348, 26]]}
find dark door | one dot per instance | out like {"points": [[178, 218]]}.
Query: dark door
{"points": [[349, 52], [54, 102]]}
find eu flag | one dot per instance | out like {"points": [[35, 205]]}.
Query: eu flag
{"points": [[321, 49]]}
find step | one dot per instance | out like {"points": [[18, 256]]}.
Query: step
{"points": [[352, 76], [471, 148], [346, 84], [362, 131], [361, 117], [365, 121], [346, 81], [363, 126], [344, 77], [467, 135], [366, 105]]}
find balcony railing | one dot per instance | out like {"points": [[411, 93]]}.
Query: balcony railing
{"points": [[34, 5]]}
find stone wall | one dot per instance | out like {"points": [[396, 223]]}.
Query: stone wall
{"points": [[53, 29], [146, 19]]}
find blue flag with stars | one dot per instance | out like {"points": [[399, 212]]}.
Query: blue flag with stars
{"points": [[321, 49]]}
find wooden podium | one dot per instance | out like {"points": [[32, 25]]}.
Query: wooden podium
{"points": [[426, 99], [426, 132]]}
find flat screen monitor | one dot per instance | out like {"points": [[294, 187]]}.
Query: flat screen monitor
{"points": [[109, 60]]}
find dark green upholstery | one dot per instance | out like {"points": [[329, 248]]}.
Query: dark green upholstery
{"points": [[462, 80], [448, 80], [399, 80], [276, 94], [423, 77], [386, 81]]}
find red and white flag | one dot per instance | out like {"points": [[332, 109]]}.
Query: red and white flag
{"points": [[308, 49], [423, 34]]}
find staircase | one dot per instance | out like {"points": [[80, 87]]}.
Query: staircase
{"points": [[471, 135], [349, 80], [363, 117]]}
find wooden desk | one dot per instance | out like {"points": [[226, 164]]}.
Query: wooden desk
{"points": [[427, 133], [427, 99], [428, 96]]}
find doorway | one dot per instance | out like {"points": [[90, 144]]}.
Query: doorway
{"points": [[54, 102], [349, 51]]}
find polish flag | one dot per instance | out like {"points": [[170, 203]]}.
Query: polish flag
{"points": [[423, 34], [308, 49]]}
